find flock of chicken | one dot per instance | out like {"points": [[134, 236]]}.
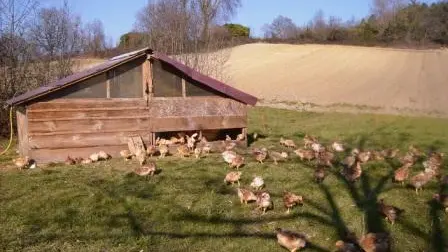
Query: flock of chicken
{"points": [[325, 157], [351, 171]]}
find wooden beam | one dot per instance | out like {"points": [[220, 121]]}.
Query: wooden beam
{"points": [[150, 75], [196, 107], [184, 88], [88, 103], [196, 123], [22, 131], [84, 140], [57, 114], [108, 87], [88, 124], [145, 77], [90, 118]]}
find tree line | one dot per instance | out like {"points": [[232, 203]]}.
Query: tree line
{"points": [[37, 46], [390, 23]]}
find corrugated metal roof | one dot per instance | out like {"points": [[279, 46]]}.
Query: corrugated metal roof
{"points": [[121, 59]]}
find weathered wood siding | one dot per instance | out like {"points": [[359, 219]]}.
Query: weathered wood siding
{"points": [[196, 113], [78, 127]]}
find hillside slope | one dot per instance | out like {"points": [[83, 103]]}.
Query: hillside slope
{"points": [[386, 79]]}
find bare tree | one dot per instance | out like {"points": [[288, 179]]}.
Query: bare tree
{"points": [[213, 11], [384, 10], [189, 30], [319, 25], [15, 51], [57, 36], [281, 28], [95, 38]]}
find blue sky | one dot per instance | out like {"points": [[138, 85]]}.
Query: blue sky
{"points": [[118, 16]]}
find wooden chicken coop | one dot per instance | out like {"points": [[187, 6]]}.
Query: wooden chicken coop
{"points": [[142, 93]]}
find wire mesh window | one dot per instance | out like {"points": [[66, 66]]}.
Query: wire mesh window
{"points": [[94, 87], [166, 81], [126, 80], [193, 88]]}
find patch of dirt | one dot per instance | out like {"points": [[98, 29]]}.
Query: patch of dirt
{"points": [[343, 78]]}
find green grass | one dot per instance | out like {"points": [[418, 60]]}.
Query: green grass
{"points": [[187, 207]]}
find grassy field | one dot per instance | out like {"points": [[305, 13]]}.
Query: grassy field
{"points": [[187, 207]]}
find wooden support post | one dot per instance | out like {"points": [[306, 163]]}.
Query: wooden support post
{"points": [[147, 80], [108, 87], [244, 132], [184, 88]]}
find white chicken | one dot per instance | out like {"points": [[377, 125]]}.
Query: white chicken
{"points": [[257, 183], [229, 156], [264, 201], [191, 141], [338, 147], [103, 155], [94, 157], [317, 147]]}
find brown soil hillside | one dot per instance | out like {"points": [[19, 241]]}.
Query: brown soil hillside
{"points": [[362, 77]]}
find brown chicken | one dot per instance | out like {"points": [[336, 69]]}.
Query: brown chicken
{"points": [[126, 154], [342, 246], [349, 161], [402, 173], [287, 143], [22, 162], [325, 158], [246, 195], [151, 150], [390, 153], [308, 141], [183, 151], [391, 213], [260, 154], [352, 173], [146, 170], [164, 150], [377, 156], [70, 161], [375, 242], [434, 162], [305, 154], [415, 151], [290, 240], [290, 200], [364, 156], [277, 156], [197, 152], [319, 174], [141, 156], [421, 179], [233, 177], [408, 158], [237, 162]]}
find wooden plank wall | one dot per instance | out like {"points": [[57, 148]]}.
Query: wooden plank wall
{"points": [[196, 113], [79, 127]]}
